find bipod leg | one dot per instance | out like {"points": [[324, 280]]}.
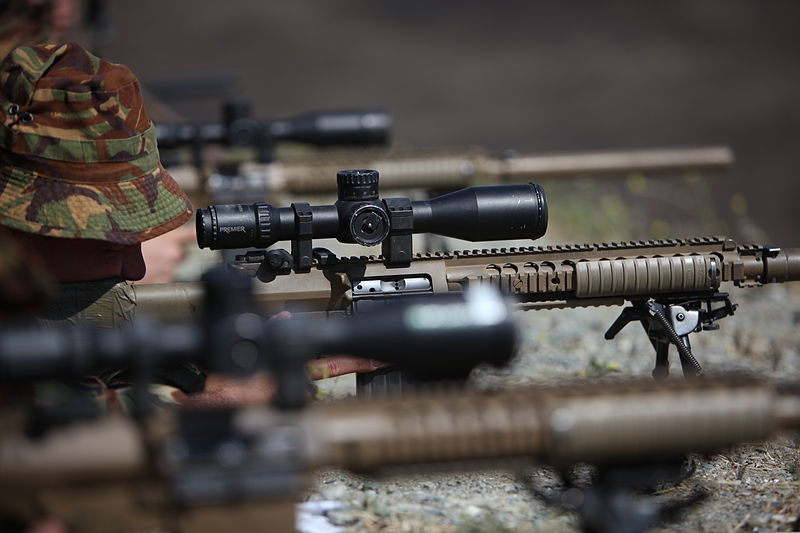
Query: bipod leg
{"points": [[691, 368], [660, 342], [614, 502], [661, 371]]}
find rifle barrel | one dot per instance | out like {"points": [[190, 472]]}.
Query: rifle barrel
{"points": [[713, 158]]}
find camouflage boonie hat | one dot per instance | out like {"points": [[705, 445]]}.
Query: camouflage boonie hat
{"points": [[78, 153]]}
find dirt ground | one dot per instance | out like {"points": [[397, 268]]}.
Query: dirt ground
{"points": [[755, 487]]}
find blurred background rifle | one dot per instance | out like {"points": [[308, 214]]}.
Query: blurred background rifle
{"points": [[446, 170], [239, 129], [255, 169]]}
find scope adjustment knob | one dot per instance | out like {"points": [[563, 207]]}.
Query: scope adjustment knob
{"points": [[368, 225], [357, 185]]}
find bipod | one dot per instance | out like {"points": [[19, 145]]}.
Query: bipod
{"points": [[616, 501], [669, 321]]}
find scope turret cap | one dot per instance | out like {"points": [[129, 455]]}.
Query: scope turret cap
{"points": [[78, 153], [360, 184]]}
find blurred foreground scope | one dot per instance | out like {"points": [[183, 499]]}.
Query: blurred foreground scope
{"points": [[435, 337], [359, 216]]}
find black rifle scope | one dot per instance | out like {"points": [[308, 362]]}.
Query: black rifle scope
{"points": [[359, 216], [239, 128]]}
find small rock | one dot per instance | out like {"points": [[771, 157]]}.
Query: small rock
{"points": [[333, 492], [433, 511], [357, 500], [473, 511], [369, 497], [341, 518]]}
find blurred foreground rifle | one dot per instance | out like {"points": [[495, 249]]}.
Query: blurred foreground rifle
{"points": [[214, 470], [450, 170], [673, 286], [198, 471]]}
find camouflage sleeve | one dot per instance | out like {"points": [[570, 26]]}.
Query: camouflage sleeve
{"points": [[111, 303]]}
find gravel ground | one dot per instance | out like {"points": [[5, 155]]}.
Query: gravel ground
{"points": [[755, 487]]}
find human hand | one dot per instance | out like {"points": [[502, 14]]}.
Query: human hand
{"points": [[223, 391], [226, 391], [335, 365], [339, 365]]}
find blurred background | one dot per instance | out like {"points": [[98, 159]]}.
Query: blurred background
{"points": [[536, 77]]}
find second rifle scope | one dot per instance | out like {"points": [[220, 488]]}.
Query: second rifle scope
{"points": [[359, 216]]}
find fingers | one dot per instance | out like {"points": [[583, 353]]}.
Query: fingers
{"points": [[338, 365], [224, 391], [283, 315]]}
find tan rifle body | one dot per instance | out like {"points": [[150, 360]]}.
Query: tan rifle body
{"points": [[580, 275]]}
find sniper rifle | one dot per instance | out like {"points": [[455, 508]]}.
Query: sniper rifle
{"points": [[672, 286]]}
